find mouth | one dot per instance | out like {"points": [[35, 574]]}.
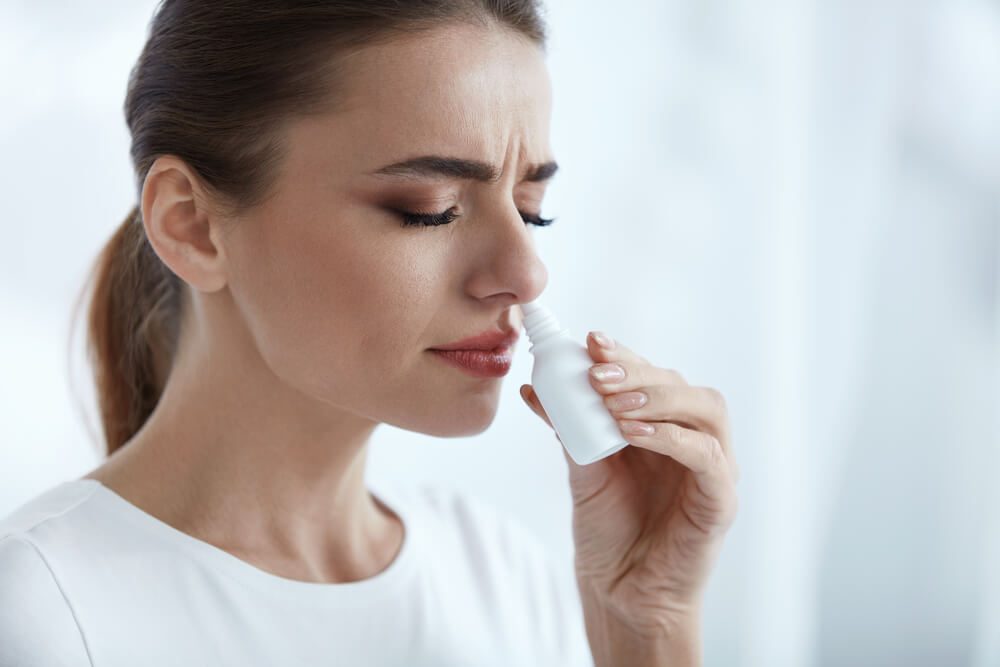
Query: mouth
{"points": [[487, 354], [479, 363], [490, 340]]}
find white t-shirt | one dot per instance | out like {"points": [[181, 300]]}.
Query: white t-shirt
{"points": [[89, 579]]}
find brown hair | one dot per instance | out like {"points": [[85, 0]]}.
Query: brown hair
{"points": [[212, 86]]}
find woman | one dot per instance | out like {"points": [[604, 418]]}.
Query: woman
{"points": [[328, 191]]}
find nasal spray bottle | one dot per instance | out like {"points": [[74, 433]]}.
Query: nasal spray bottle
{"points": [[560, 378]]}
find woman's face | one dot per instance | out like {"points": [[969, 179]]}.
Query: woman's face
{"points": [[342, 301]]}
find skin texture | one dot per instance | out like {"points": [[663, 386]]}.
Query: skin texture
{"points": [[309, 319]]}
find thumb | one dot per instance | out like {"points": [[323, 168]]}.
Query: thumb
{"points": [[529, 396], [578, 475], [583, 478]]}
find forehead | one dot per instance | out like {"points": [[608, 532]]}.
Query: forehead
{"points": [[461, 89]]}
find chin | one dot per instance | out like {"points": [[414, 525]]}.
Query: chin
{"points": [[459, 420]]}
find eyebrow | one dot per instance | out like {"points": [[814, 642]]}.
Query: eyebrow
{"points": [[452, 167]]}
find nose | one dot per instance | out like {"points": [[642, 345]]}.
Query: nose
{"points": [[508, 270]]}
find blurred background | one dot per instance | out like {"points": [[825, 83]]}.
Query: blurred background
{"points": [[804, 200]]}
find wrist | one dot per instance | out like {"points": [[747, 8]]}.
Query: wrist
{"points": [[618, 638]]}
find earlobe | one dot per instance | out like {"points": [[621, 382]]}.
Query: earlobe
{"points": [[179, 224]]}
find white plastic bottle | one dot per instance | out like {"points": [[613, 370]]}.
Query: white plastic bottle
{"points": [[560, 378]]}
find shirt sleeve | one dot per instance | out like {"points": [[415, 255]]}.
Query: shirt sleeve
{"points": [[37, 625]]}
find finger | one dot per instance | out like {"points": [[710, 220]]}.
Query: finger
{"points": [[583, 478], [702, 408], [637, 373], [697, 451], [531, 398], [618, 352]]}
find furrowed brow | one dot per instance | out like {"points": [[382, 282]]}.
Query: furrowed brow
{"points": [[430, 166]]}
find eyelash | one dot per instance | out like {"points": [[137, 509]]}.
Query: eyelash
{"points": [[447, 216]]}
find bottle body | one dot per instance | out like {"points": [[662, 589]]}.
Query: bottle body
{"points": [[560, 378]]}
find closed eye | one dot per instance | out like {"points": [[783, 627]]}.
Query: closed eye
{"points": [[411, 219]]}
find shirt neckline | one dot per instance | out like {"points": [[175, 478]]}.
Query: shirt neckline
{"points": [[354, 592]]}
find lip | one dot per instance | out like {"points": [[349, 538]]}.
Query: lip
{"points": [[489, 340], [485, 355], [480, 363]]}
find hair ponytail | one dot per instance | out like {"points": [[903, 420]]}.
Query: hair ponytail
{"points": [[131, 330]]}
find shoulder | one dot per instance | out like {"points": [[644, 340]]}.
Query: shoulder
{"points": [[47, 506], [37, 625]]}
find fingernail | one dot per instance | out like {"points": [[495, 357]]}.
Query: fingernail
{"points": [[603, 339], [636, 428], [608, 372], [627, 401]]}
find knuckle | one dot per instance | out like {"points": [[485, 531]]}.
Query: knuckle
{"points": [[661, 395], [716, 456], [678, 434], [717, 399]]}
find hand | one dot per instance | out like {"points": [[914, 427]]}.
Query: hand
{"points": [[648, 521]]}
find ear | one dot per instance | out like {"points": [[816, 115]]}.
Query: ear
{"points": [[182, 229]]}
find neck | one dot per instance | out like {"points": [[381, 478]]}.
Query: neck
{"points": [[237, 458]]}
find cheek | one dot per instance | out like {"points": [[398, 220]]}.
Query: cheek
{"points": [[334, 307]]}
